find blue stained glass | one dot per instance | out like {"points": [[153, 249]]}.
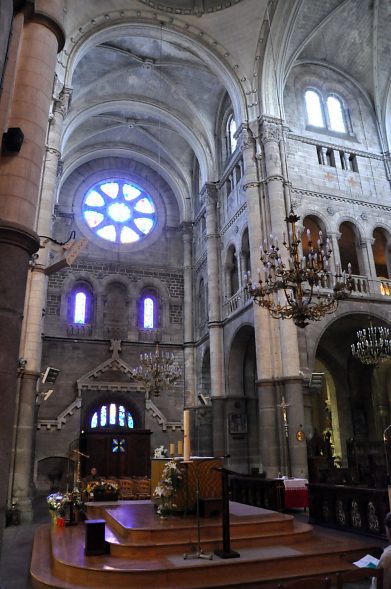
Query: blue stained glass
{"points": [[113, 413], [103, 415], [121, 416], [148, 313], [130, 421], [119, 211], [80, 308], [94, 420], [118, 445], [94, 199], [128, 235], [144, 225], [93, 218], [130, 192], [144, 205], [110, 188], [107, 232]]}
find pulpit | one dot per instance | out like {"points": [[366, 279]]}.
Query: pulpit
{"points": [[204, 469]]}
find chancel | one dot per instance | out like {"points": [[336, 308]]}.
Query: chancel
{"points": [[195, 288]]}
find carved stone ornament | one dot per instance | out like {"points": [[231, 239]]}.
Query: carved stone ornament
{"points": [[330, 211], [271, 132], [208, 195], [245, 138]]}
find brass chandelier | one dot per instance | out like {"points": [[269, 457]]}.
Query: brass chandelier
{"points": [[298, 279], [373, 345], [157, 371]]}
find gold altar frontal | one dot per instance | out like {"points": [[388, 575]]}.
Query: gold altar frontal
{"points": [[205, 471]]}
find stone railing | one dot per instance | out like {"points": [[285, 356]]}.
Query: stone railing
{"points": [[236, 302]]}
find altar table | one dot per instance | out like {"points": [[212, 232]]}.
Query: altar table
{"points": [[295, 493], [203, 469]]}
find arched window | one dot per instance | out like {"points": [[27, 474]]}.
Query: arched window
{"points": [[336, 117], [80, 305], [148, 311], [314, 109], [230, 130], [112, 415]]}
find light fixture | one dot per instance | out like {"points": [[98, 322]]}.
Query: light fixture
{"points": [[298, 279], [373, 345], [157, 371]]}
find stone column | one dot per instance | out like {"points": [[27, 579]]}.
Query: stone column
{"points": [[287, 366], [31, 341], [369, 263], [20, 176], [209, 196], [264, 332], [189, 364], [335, 256]]}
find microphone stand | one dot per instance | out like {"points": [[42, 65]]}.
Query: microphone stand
{"points": [[199, 553]]}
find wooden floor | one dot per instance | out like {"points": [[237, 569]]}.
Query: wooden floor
{"points": [[149, 553]]}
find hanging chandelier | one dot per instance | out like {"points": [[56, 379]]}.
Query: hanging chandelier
{"points": [[373, 345], [298, 279], [157, 371]]}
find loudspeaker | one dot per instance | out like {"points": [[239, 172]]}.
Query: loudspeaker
{"points": [[95, 537], [13, 139]]}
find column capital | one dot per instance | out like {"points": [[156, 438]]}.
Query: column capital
{"points": [[271, 130], [208, 194], [245, 137], [62, 103], [51, 19], [19, 236]]}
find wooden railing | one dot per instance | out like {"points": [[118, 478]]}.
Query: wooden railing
{"points": [[349, 508], [257, 491]]}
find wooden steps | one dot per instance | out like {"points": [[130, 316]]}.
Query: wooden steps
{"points": [[150, 555]]}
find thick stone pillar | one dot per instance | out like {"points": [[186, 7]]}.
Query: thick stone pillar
{"points": [[20, 176], [264, 332], [31, 341], [209, 196], [190, 393], [287, 364]]}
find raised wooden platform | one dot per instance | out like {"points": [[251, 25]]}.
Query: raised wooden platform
{"points": [[148, 553]]}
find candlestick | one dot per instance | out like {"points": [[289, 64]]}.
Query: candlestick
{"points": [[180, 447], [172, 450], [186, 434]]}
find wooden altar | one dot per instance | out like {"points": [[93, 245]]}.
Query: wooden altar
{"points": [[205, 469]]}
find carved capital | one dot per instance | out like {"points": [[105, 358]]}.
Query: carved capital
{"points": [[208, 195], [271, 131], [245, 137], [63, 102]]}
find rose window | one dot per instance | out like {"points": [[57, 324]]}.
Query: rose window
{"points": [[119, 211]]}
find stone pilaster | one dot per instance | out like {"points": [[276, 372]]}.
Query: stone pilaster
{"points": [[189, 376]]}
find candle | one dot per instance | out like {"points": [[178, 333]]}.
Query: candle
{"points": [[180, 447], [172, 449], [186, 434]]}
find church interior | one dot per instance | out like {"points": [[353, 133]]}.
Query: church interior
{"points": [[241, 150]]}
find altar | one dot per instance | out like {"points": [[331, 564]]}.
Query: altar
{"points": [[203, 469], [295, 493]]}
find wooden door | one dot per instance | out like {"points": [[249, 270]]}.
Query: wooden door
{"points": [[118, 453]]}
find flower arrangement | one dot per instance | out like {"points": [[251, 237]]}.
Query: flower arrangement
{"points": [[165, 492], [105, 487], [160, 452], [63, 507]]}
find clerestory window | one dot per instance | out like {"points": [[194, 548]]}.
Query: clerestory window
{"points": [[325, 112]]}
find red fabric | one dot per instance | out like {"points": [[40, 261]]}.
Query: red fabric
{"points": [[296, 498]]}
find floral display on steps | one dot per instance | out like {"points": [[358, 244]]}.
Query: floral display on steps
{"points": [[165, 492], [65, 508]]}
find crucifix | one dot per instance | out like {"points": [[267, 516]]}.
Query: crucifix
{"points": [[284, 407]]}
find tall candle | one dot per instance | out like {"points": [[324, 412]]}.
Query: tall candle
{"points": [[186, 434], [172, 449], [180, 447]]}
